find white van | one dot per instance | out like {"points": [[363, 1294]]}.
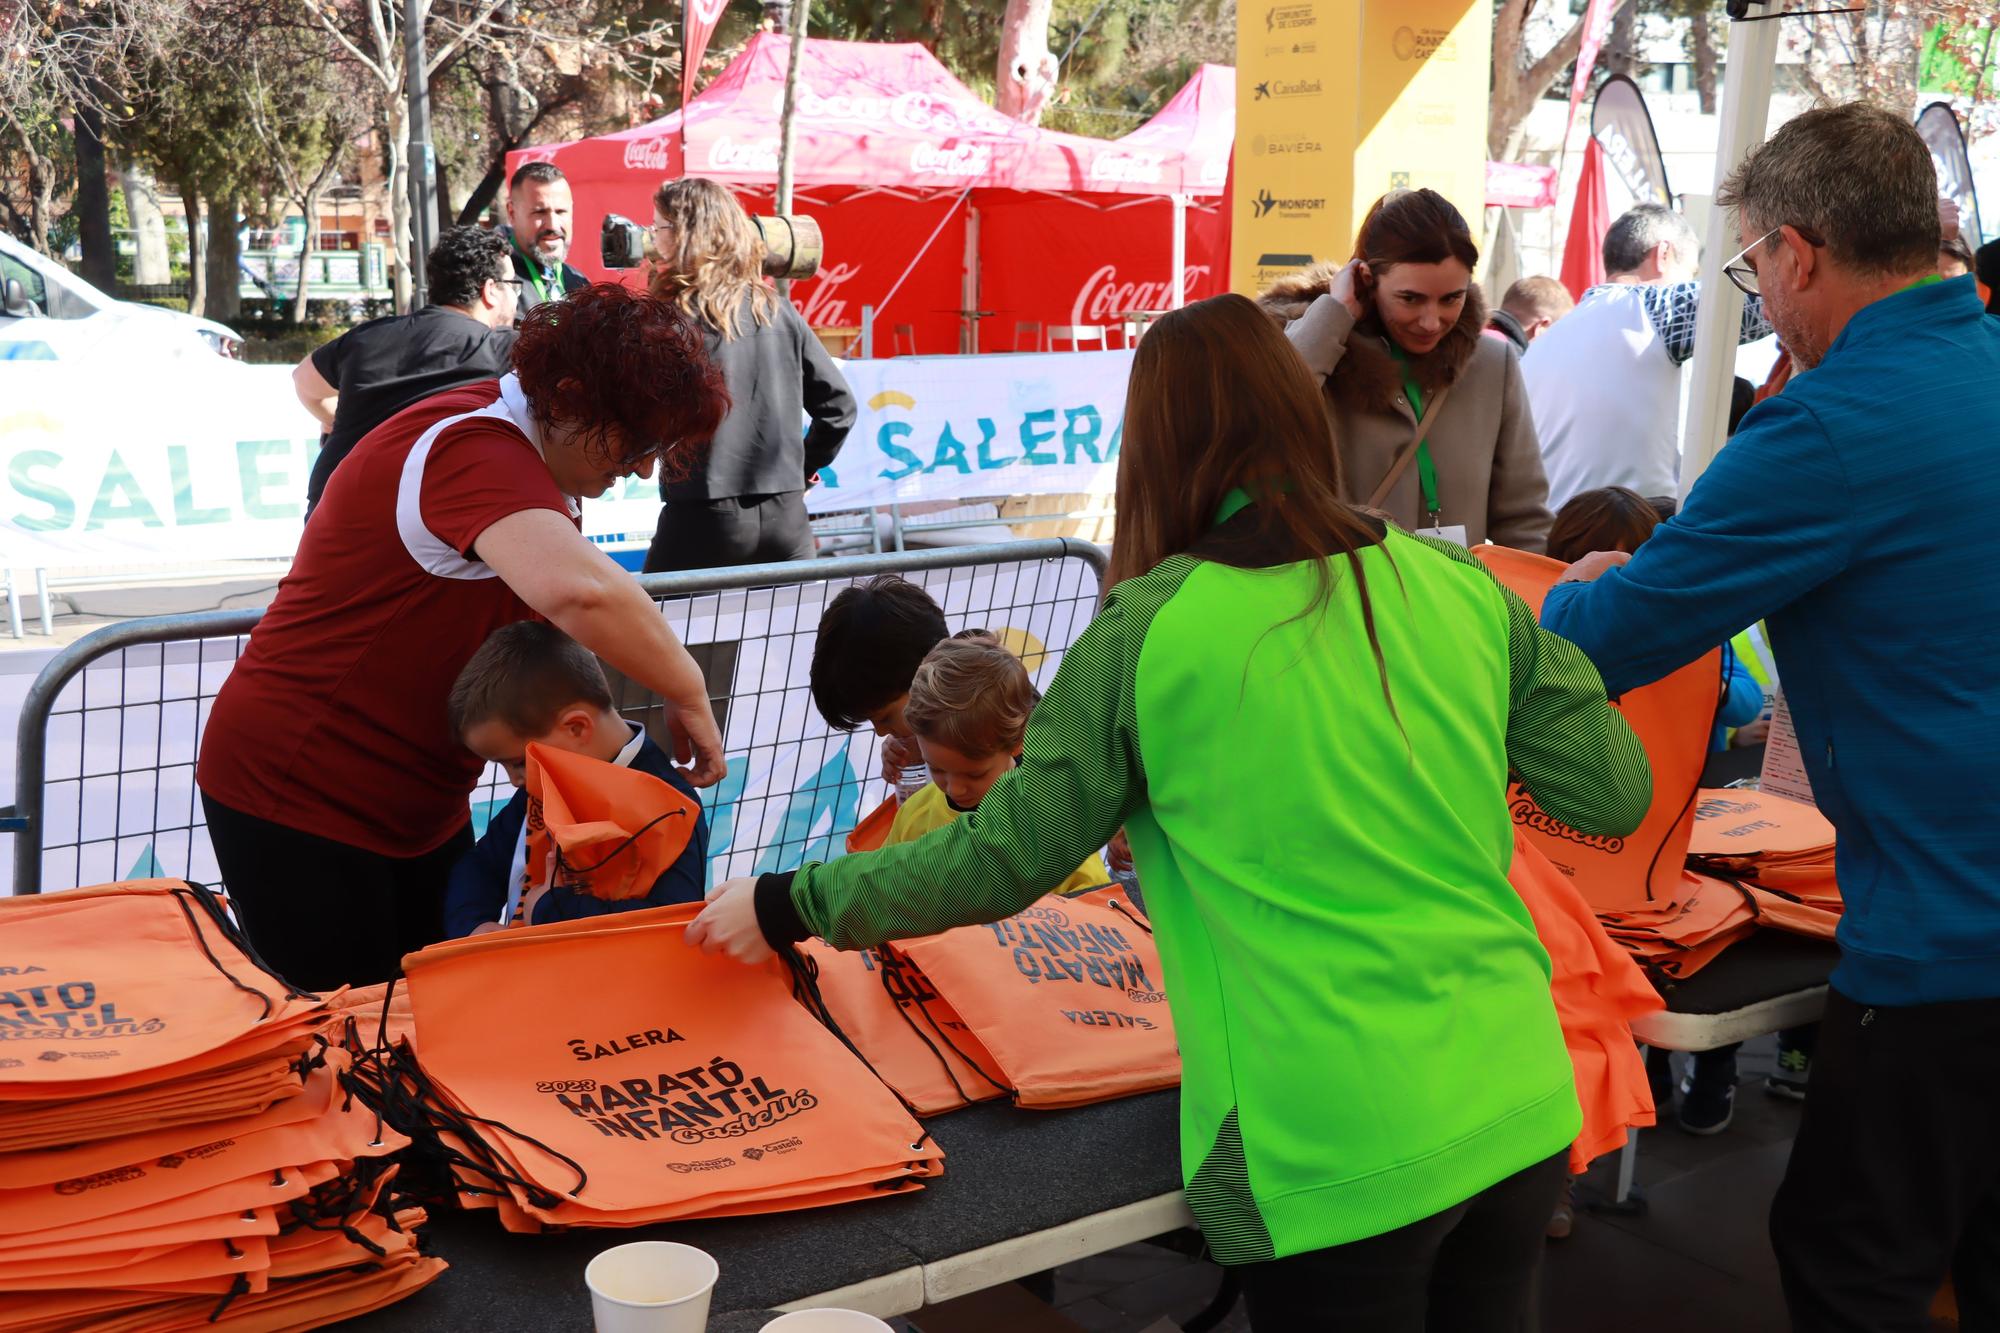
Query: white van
{"points": [[57, 316]]}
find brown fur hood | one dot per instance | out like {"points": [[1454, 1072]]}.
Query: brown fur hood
{"points": [[1367, 375]]}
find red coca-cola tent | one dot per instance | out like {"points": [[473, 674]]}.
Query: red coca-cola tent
{"points": [[932, 203]]}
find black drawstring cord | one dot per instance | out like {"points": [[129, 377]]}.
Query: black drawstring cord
{"points": [[619, 850]]}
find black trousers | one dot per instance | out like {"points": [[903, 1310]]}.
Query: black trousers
{"points": [[1894, 1179], [736, 530], [1473, 1268], [322, 913]]}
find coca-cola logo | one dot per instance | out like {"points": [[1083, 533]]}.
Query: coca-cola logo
{"points": [[965, 159], [823, 306], [919, 111], [754, 155], [648, 154], [1103, 299], [1215, 171], [1130, 168]]}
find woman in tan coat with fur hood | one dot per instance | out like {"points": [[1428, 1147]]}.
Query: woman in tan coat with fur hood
{"points": [[1394, 337]]}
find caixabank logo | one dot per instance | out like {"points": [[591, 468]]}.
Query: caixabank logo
{"points": [[1296, 208], [1281, 90]]}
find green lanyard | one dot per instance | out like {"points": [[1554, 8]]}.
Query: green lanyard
{"points": [[1427, 475], [535, 273]]}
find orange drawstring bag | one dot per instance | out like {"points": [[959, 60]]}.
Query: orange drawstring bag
{"points": [[873, 831], [1598, 991], [1680, 937], [909, 1034], [641, 1049], [22, 1170], [1673, 719], [610, 831], [335, 1135], [1066, 996], [256, 1222], [110, 986], [1746, 827]]}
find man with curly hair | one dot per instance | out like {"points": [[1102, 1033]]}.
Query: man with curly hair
{"points": [[368, 374]]}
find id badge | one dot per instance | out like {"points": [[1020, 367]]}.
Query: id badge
{"points": [[1451, 532]]}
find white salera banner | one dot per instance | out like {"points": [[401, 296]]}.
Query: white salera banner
{"points": [[119, 798], [198, 462], [951, 428], [185, 461]]}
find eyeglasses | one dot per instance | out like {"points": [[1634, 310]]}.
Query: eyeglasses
{"points": [[1743, 273]]}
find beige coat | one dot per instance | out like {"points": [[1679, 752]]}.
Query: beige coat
{"points": [[1489, 464]]}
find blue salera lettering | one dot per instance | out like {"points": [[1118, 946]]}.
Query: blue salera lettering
{"points": [[907, 462], [1038, 428]]}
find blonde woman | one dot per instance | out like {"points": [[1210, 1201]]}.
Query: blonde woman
{"points": [[745, 502]]}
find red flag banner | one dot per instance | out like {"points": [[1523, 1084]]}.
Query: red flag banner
{"points": [[698, 20], [1595, 20]]}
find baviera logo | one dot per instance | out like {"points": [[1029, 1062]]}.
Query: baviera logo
{"points": [[1530, 817], [1103, 299], [649, 154], [726, 154], [966, 159], [1131, 168], [70, 1011]]}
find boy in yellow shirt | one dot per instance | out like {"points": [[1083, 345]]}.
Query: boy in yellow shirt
{"points": [[969, 707]]}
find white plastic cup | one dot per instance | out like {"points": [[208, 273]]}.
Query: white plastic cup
{"points": [[826, 1321], [651, 1286]]}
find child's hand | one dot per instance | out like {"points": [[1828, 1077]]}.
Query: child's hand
{"points": [[728, 925], [1120, 853], [898, 753]]}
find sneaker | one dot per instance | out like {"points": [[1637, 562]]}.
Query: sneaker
{"points": [[1794, 1068], [1706, 1107], [1563, 1220]]}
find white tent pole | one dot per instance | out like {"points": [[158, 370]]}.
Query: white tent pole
{"points": [[1180, 250], [1746, 106]]}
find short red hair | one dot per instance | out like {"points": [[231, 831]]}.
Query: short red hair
{"points": [[626, 370]]}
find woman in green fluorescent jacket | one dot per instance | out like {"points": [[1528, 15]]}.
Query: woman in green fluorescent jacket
{"points": [[1305, 721]]}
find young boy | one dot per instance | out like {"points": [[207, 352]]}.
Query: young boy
{"points": [[871, 639], [530, 682], [968, 707]]}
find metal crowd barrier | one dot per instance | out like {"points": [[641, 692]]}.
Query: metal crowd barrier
{"points": [[110, 729]]}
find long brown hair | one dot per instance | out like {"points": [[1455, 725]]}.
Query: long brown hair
{"points": [[1219, 400], [1414, 227], [717, 257]]}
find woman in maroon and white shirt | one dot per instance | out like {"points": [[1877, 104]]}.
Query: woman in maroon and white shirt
{"points": [[336, 795]]}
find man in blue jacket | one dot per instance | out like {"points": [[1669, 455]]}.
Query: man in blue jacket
{"points": [[1849, 514]]}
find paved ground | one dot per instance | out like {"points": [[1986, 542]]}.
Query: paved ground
{"points": [[1697, 1258]]}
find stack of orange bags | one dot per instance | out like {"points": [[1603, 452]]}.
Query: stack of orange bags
{"points": [[1780, 849], [605, 1073], [1677, 936], [175, 1146], [1003, 1009]]}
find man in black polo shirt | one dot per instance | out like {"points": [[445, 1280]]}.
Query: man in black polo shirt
{"points": [[538, 230], [374, 370]]}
